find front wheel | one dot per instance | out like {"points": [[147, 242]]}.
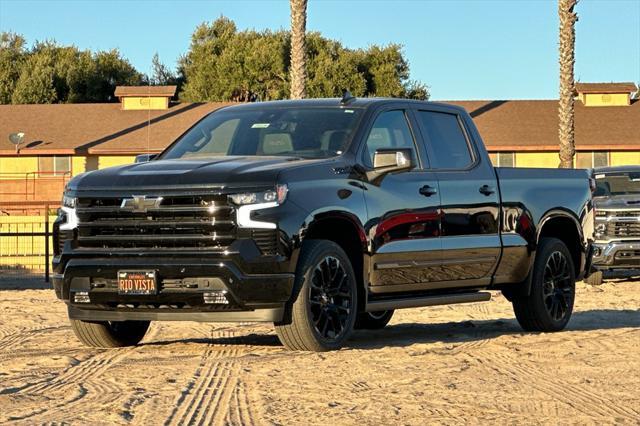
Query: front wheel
{"points": [[322, 313], [549, 305], [109, 334]]}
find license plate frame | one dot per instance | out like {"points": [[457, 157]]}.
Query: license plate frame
{"points": [[136, 282]]}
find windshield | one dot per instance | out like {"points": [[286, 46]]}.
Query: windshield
{"points": [[298, 132], [617, 184]]}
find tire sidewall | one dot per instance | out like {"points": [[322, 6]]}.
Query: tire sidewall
{"points": [[319, 250], [546, 249]]}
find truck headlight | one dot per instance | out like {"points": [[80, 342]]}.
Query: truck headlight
{"points": [[68, 202], [69, 209], [278, 195], [252, 201]]}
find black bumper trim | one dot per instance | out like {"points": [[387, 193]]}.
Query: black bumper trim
{"points": [[259, 315]]}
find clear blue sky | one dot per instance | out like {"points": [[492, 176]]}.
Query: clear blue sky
{"points": [[469, 49]]}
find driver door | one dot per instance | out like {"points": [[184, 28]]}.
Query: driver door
{"points": [[403, 224]]}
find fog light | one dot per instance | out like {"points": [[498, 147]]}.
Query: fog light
{"points": [[218, 297], [81, 297]]}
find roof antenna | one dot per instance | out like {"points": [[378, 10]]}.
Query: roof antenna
{"points": [[346, 97]]}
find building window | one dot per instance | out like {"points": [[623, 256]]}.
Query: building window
{"points": [[54, 166], [587, 160], [503, 159]]}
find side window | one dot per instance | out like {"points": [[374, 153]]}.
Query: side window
{"points": [[447, 140], [390, 130]]}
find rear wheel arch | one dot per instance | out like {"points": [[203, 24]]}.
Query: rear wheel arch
{"points": [[565, 227]]}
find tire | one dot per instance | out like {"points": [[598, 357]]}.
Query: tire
{"points": [[373, 320], [109, 334], [595, 279], [550, 303], [322, 311]]}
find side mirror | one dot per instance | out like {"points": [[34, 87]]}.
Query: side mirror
{"points": [[392, 160], [144, 158], [388, 160]]}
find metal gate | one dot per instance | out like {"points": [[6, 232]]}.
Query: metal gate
{"points": [[25, 246]]}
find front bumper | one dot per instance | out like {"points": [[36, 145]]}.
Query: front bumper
{"points": [[616, 255], [255, 287]]}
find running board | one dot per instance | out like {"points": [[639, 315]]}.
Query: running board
{"points": [[416, 302]]}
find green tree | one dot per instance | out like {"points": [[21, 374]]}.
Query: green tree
{"points": [[161, 74], [226, 64], [36, 82], [59, 73], [12, 57]]}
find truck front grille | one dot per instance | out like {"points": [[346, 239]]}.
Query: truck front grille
{"points": [[196, 221], [622, 224], [623, 229]]}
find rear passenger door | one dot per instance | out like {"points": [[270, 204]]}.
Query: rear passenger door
{"points": [[403, 221], [468, 195]]}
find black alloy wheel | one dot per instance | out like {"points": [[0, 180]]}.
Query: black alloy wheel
{"points": [[557, 289], [330, 298]]}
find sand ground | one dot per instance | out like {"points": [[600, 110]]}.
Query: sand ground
{"points": [[448, 364]]}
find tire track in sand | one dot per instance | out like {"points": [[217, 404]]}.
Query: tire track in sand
{"points": [[77, 385], [531, 375], [20, 336], [213, 392]]}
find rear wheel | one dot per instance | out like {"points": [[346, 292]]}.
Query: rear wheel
{"points": [[550, 303], [595, 279], [109, 334], [322, 313], [373, 320]]}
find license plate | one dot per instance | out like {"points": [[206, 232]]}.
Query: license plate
{"points": [[137, 282]]}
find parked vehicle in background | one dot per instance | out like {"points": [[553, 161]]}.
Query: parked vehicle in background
{"points": [[616, 251], [320, 216]]}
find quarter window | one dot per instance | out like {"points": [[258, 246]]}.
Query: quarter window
{"points": [[448, 142], [390, 130]]}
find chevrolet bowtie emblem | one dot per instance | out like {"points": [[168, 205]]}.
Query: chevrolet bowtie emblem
{"points": [[140, 203]]}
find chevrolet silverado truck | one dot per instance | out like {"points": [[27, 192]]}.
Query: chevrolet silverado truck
{"points": [[616, 250], [320, 216]]}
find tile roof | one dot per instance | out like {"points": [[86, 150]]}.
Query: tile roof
{"points": [[627, 87], [532, 125], [95, 128], [145, 91], [524, 125]]}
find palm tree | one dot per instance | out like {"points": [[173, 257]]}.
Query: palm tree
{"points": [[568, 20], [298, 61]]}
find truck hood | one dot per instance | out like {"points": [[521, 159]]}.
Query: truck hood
{"points": [[631, 202], [211, 172]]}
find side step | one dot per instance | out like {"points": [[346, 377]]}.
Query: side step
{"points": [[416, 302]]}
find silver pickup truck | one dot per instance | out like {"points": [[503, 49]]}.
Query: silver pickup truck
{"points": [[616, 251]]}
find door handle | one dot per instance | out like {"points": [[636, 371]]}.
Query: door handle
{"points": [[487, 190], [428, 191]]}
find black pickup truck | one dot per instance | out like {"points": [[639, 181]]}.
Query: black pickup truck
{"points": [[320, 216]]}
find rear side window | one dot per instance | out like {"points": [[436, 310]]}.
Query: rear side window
{"points": [[448, 143]]}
